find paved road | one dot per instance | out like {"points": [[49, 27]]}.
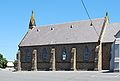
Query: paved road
{"points": [[59, 76]]}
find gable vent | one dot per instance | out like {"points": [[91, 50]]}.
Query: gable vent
{"points": [[52, 29], [91, 24], [71, 26], [37, 30]]}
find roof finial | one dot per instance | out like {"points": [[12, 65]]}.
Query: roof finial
{"points": [[106, 16], [32, 21], [106, 13], [32, 12]]}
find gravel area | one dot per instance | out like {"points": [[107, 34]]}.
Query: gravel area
{"points": [[59, 76]]}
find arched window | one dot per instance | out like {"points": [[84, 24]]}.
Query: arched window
{"points": [[44, 54], [28, 55], [86, 53], [64, 54]]}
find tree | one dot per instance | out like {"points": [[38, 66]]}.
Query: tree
{"points": [[3, 62]]}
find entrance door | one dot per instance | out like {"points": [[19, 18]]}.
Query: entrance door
{"points": [[116, 62]]}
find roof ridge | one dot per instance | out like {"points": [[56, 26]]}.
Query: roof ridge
{"points": [[68, 22]]}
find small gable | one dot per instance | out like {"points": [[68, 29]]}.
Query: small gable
{"points": [[118, 34]]}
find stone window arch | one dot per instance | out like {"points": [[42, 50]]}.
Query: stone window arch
{"points": [[86, 54]]}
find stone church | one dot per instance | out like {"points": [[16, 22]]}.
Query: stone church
{"points": [[79, 45]]}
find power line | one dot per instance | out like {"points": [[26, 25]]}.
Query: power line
{"points": [[89, 17]]}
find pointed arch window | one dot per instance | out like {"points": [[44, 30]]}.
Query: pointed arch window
{"points": [[28, 55], [44, 54], [86, 53], [64, 54]]}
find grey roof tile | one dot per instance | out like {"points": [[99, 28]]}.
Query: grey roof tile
{"points": [[81, 32], [111, 30]]}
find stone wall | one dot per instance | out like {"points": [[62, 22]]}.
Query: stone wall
{"points": [[65, 65], [106, 56]]}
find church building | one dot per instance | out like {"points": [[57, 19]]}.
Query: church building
{"points": [[79, 45]]}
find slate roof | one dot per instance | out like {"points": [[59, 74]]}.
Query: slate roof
{"points": [[111, 30], [72, 32]]}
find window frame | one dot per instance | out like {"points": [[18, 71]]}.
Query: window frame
{"points": [[64, 54], [28, 55], [44, 54], [86, 54], [117, 50]]}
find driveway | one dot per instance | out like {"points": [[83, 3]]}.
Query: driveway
{"points": [[58, 76]]}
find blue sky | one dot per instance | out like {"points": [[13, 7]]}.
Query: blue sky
{"points": [[15, 15]]}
